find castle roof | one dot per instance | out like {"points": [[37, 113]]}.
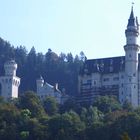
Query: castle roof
{"points": [[103, 65]]}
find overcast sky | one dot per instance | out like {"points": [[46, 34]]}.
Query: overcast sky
{"points": [[95, 27]]}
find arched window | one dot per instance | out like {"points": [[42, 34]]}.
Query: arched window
{"points": [[15, 82]]}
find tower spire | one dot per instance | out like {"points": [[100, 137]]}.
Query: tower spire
{"points": [[131, 20], [132, 13]]}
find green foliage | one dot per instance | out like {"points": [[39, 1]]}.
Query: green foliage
{"points": [[31, 102], [91, 116], [69, 105], [125, 137], [27, 120], [111, 117], [50, 105], [127, 106], [1, 100], [129, 123], [94, 115], [36, 130], [107, 104], [25, 113], [65, 126], [24, 135], [84, 114], [9, 118]]}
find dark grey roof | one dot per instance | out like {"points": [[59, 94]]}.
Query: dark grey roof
{"points": [[132, 13], [103, 65], [131, 20]]}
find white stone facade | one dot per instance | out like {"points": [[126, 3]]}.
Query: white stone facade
{"points": [[119, 76], [9, 82], [44, 90]]}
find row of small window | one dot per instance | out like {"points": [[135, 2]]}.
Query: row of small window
{"points": [[117, 78], [133, 87], [107, 79]]}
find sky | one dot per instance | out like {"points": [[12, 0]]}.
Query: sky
{"points": [[95, 27]]}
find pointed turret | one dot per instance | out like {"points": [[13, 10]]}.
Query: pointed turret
{"points": [[131, 20], [132, 31], [132, 13]]}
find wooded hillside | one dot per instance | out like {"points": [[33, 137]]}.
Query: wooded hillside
{"points": [[54, 68]]}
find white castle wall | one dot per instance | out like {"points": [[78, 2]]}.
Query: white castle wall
{"points": [[10, 82]]}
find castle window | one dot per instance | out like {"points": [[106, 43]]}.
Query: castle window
{"points": [[134, 74], [130, 55], [134, 86], [122, 76], [106, 79], [94, 82], [15, 82], [122, 85], [129, 79], [122, 92]]}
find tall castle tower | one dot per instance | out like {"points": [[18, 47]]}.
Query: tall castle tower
{"points": [[10, 82], [131, 60]]}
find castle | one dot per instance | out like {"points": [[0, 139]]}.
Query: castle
{"points": [[44, 89], [9, 82], [119, 76]]}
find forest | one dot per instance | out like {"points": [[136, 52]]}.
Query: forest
{"points": [[28, 118], [62, 69]]}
